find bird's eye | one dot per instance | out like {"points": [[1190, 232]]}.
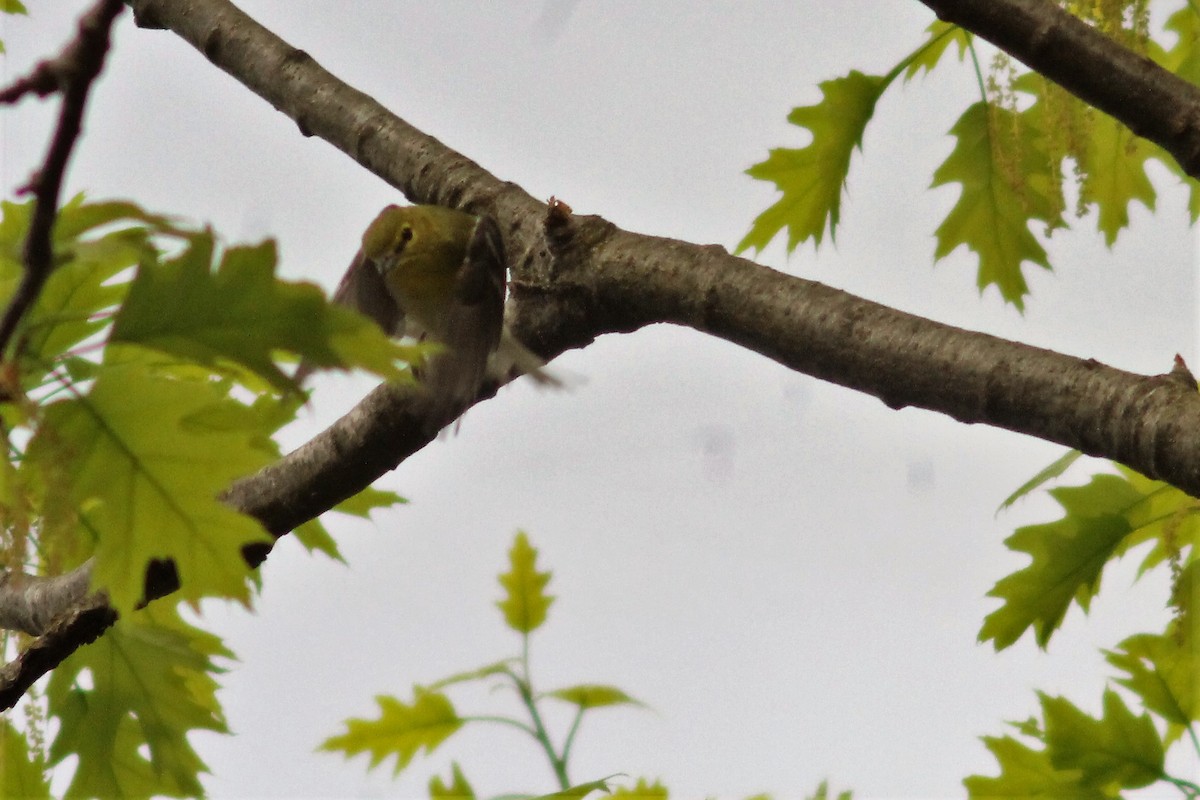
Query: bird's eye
{"points": [[406, 233]]}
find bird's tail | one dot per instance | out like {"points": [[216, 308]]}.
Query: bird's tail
{"points": [[513, 359]]}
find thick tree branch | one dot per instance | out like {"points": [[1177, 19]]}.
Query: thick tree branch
{"points": [[584, 277], [578, 277], [1153, 102]]}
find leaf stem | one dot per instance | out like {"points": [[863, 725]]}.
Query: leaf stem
{"points": [[524, 686], [571, 734], [978, 71]]}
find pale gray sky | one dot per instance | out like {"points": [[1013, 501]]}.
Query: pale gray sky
{"points": [[790, 573]]}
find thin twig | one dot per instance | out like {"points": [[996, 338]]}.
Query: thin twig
{"points": [[73, 72]]}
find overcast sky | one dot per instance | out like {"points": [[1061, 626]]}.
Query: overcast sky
{"points": [[790, 574]]}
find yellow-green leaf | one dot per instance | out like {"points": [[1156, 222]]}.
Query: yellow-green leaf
{"points": [[812, 178], [941, 36], [314, 537], [642, 790], [821, 794], [1118, 749], [400, 730], [242, 314], [592, 695], [1068, 558], [579, 790], [1115, 165], [496, 668], [22, 773], [366, 501], [1162, 671], [93, 242], [1048, 473], [458, 789], [1000, 165], [142, 466], [152, 682], [1028, 774], [526, 603]]}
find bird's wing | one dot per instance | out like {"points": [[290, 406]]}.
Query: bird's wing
{"points": [[362, 288], [474, 320]]}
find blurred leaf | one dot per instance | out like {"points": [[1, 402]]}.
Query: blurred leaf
{"points": [[526, 604], [822, 793], [242, 313], [12, 7], [1184, 56], [1068, 558], [496, 668], [1029, 775], [594, 696], [1001, 166], [401, 730], [152, 683], [1117, 750], [941, 36], [1162, 671], [366, 501], [579, 790], [458, 789], [812, 178], [1048, 473], [81, 289], [315, 538], [1166, 516], [1115, 165], [143, 462], [22, 774], [642, 790]]}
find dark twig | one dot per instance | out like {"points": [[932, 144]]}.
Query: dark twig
{"points": [[72, 73]]}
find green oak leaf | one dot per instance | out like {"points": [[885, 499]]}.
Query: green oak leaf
{"points": [[526, 604], [315, 538], [240, 313], [1028, 774], [1068, 558], [1002, 171], [151, 682], [93, 243], [1118, 749], [941, 36], [141, 459], [22, 773], [1166, 516], [1047, 473], [821, 794], [366, 501], [579, 790], [400, 730], [642, 790], [1115, 165], [813, 178], [496, 668], [458, 789], [593, 695], [1162, 671]]}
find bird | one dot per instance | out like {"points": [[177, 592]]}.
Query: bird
{"points": [[439, 275]]}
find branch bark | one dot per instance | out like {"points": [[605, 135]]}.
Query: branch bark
{"points": [[576, 277]]}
